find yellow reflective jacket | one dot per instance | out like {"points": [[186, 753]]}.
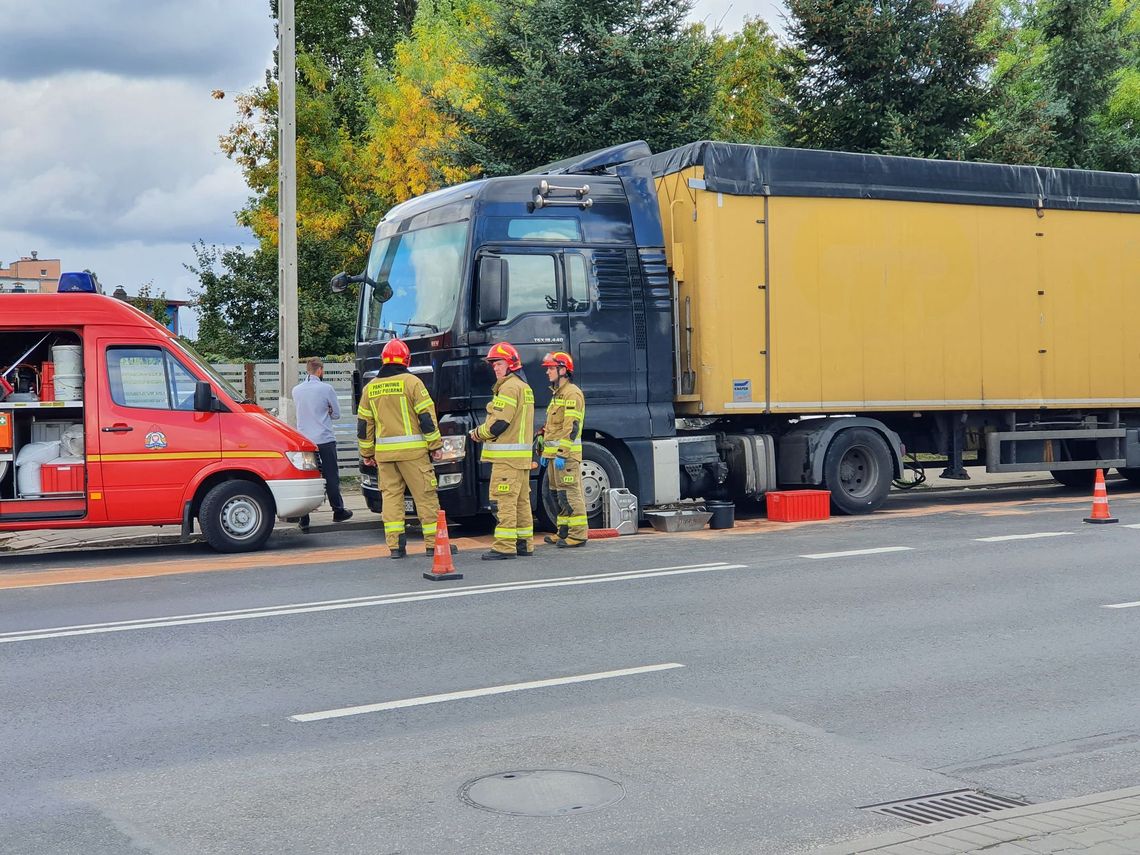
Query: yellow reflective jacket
{"points": [[512, 402], [396, 419], [565, 418]]}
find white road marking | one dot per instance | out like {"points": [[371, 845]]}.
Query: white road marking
{"points": [[478, 693], [356, 602], [1131, 525], [1123, 605], [1004, 537], [853, 552]]}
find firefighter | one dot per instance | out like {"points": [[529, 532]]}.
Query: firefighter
{"points": [[397, 431], [562, 450], [507, 435]]}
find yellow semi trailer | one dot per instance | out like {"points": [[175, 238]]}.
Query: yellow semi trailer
{"points": [[744, 318]]}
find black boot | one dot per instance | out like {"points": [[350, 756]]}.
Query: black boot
{"points": [[521, 550], [555, 540], [572, 543], [401, 549], [492, 555]]}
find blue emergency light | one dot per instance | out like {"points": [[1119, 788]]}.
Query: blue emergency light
{"points": [[85, 282]]}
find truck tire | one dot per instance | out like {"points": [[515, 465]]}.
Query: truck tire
{"points": [[600, 472], [1075, 478], [857, 469], [1132, 476], [236, 516]]}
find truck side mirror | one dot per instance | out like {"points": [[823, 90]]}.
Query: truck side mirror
{"points": [[494, 286], [203, 397], [339, 283]]}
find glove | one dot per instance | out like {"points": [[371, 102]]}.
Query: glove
{"points": [[542, 463], [559, 463]]}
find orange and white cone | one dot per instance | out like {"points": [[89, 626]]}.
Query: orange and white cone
{"points": [[1100, 512], [442, 567]]}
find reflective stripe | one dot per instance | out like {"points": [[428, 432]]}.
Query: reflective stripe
{"points": [[430, 528], [510, 446], [423, 406], [492, 453], [580, 520], [393, 526], [524, 532], [504, 399], [433, 436], [506, 533], [406, 416], [393, 440]]}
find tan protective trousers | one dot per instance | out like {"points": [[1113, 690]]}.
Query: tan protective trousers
{"points": [[510, 503], [419, 476], [569, 496]]}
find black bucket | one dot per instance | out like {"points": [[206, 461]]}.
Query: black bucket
{"points": [[723, 514]]}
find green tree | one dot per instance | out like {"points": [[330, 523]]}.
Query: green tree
{"points": [[569, 76], [1069, 87], [237, 304], [152, 301], [886, 76], [748, 85]]}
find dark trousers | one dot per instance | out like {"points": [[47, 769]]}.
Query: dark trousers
{"points": [[326, 455]]}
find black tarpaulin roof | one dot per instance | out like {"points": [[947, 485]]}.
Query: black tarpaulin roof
{"points": [[752, 170]]}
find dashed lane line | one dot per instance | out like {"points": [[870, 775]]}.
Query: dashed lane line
{"points": [[478, 693], [850, 553], [1005, 537]]}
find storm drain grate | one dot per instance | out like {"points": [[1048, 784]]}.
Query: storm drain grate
{"points": [[954, 804]]}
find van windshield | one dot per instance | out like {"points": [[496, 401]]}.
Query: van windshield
{"points": [[423, 268]]}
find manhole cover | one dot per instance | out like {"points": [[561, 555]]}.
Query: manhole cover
{"points": [[542, 792], [939, 806]]}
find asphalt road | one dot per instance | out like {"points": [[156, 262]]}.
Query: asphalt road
{"points": [[740, 693]]}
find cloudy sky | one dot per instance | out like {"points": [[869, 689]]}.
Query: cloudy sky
{"points": [[109, 153]]}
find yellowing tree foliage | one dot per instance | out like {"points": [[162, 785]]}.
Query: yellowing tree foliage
{"points": [[432, 79]]}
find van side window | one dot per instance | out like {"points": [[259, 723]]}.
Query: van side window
{"points": [[577, 284], [534, 286], [150, 378]]}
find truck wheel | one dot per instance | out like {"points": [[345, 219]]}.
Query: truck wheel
{"points": [[1076, 478], [236, 516], [857, 470], [1132, 476]]}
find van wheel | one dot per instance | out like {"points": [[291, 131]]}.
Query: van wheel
{"points": [[600, 472], [858, 471], [236, 516]]}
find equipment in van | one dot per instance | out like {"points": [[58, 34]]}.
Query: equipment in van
{"points": [[6, 388]]}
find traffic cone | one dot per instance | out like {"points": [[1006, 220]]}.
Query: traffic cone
{"points": [[442, 567], [1100, 512]]}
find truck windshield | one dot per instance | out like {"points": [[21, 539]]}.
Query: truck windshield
{"points": [[191, 355], [423, 270]]}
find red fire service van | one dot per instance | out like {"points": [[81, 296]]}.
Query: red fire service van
{"points": [[107, 419]]}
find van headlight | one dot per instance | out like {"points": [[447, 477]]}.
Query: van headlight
{"points": [[454, 448], [304, 460]]}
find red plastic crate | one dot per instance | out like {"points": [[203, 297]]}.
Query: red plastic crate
{"points": [[798, 505], [61, 478]]}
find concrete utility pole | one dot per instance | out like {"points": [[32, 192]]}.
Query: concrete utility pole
{"points": [[287, 342]]}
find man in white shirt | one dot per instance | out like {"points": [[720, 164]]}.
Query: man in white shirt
{"points": [[317, 406]]}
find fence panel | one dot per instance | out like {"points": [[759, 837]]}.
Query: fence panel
{"points": [[266, 393]]}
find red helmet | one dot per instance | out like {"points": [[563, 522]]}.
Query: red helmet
{"points": [[396, 351], [507, 353], [558, 359]]}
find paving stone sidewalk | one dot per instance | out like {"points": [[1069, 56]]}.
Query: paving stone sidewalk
{"points": [[1101, 824]]}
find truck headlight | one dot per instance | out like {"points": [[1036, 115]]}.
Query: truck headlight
{"points": [[303, 460], [454, 448], [369, 479]]}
